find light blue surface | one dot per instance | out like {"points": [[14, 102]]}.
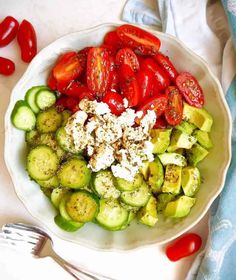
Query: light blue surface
{"points": [[219, 261]]}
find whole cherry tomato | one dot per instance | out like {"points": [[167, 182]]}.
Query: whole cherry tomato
{"points": [[8, 30], [69, 66], [157, 104], [145, 80], [27, 41], [190, 89], [138, 39], [98, 71], [112, 39], [129, 85], [7, 67], [184, 246], [127, 56], [174, 109], [162, 80], [115, 102], [166, 65]]}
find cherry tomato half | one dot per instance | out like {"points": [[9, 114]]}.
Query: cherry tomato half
{"points": [[112, 39], [8, 30], [7, 67], [27, 41], [129, 85], [115, 102], [166, 65], [145, 80], [138, 39], [69, 66], [174, 109], [160, 122], [127, 56], [190, 89], [98, 71], [184, 246], [162, 80], [78, 90], [65, 102], [52, 82]]}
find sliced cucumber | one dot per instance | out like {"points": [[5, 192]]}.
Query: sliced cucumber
{"points": [[124, 185], [57, 195], [65, 142], [74, 173], [30, 97], [82, 206], [48, 121], [45, 98], [111, 214], [66, 225], [65, 116], [103, 184], [22, 117], [42, 163], [31, 137], [137, 197], [62, 207], [50, 183]]}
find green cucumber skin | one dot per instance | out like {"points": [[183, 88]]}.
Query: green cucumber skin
{"points": [[66, 225], [30, 97], [39, 98]]}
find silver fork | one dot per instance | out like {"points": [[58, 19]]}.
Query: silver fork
{"points": [[34, 240]]}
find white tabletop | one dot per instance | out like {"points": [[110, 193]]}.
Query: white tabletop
{"points": [[51, 20]]}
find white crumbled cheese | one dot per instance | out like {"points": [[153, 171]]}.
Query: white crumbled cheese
{"points": [[110, 140], [126, 103]]}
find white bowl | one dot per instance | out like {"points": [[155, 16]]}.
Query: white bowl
{"points": [[213, 168]]}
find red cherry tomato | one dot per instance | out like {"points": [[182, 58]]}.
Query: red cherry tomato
{"points": [[52, 82], [61, 103], [8, 30], [162, 80], [156, 103], [65, 102], [27, 41], [166, 65], [190, 89], [98, 71], [160, 122], [111, 50], [174, 109], [184, 246], [127, 56], [145, 80], [115, 102], [112, 39], [69, 66], [7, 67], [114, 81], [129, 85], [77, 90], [138, 39]]}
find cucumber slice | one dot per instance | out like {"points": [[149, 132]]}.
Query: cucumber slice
{"points": [[111, 214], [124, 185], [45, 98], [82, 206], [30, 97], [31, 137], [137, 197], [57, 195], [65, 142], [22, 117], [103, 184], [69, 226], [42, 163], [48, 121], [50, 183], [74, 173], [62, 207], [65, 116]]}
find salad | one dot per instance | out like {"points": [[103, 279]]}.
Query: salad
{"points": [[116, 134]]}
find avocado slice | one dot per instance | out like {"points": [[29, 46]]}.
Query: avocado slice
{"points": [[186, 127], [190, 180], [163, 199], [198, 116], [203, 138], [147, 215], [180, 139], [144, 170], [156, 175], [180, 207], [172, 181], [172, 158], [160, 139], [196, 154]]}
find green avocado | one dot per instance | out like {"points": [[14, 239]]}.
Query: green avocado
{"points": [[144, 170], [190, 180], [203, 138], [156, 175], [198, 116], [172, 181], [172, 158], [180, 207], [147, 215], [186, 127], [180, 139], [196, 154], [160, 139], [163, 199]]}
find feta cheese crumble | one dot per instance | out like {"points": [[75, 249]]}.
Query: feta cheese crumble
{"points": [[110, 140]]}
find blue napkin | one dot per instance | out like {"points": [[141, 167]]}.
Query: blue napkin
{"points": [[180, 18]]}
